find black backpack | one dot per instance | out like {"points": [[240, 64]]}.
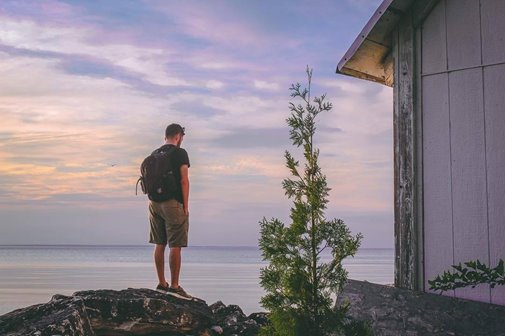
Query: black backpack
{"points": [[157, 179]]}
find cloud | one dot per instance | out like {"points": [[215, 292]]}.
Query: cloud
{"points": [[364, 5], [87, 85], [247, 166], [214, 84], [245, 138], [220, 23], [194, 106], [149, 63], [247, 110], [262, 85], [49, 126], [344, 86]]}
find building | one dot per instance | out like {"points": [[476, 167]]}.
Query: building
{"points": [[445, 60]]}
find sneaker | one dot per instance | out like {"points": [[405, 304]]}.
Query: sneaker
{"points": [[163, 289], [179, 293]]}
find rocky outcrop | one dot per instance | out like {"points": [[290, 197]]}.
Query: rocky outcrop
{"points": [[144, 312], [129, 312], [394, 311], [389, 310], [63, 315]]}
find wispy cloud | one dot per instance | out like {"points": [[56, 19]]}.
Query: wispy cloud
{"points": [[214, 84], [148, 63], [263, 85]]}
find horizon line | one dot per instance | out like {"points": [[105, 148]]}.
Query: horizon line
{"points": [[146, 245]]}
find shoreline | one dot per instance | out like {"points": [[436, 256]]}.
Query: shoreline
{"points": [[129, 312], [229, 275]]}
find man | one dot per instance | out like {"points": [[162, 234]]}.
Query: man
{"points": [[169, 218]]}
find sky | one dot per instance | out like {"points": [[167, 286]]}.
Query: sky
{"points": [[88, 87]]}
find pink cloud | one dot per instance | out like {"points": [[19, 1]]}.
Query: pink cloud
{"points": [[220, 24]]}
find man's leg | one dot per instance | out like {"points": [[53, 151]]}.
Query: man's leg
{"points": [[175, 266], [159, 261]]}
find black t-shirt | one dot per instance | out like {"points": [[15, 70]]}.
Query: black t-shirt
{"points": [[178, 158]]}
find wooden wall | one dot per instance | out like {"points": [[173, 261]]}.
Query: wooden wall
{"points": [[462, 98]]}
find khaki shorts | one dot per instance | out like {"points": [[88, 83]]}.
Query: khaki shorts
{"points": [[169, 224]]}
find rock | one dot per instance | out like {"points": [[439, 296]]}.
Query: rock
{"points": [[217, 306], [217, 330], [63, 315], [395, 311], [144, 312], [228, 315], [129, 312], [260, 318], [234, 322]]}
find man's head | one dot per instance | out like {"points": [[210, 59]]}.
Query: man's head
{"points": [[174, 134]]}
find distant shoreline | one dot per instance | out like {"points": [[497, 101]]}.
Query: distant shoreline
{"points": [[150, 245]]}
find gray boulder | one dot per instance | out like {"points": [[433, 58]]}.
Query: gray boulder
{"points": [[394, 312]]}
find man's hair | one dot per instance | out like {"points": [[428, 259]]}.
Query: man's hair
{"points": [[174, 129]]}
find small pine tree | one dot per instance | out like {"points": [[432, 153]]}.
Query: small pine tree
{"points": [[300, 289]]}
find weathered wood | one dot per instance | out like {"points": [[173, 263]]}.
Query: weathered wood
{"points": [[401, 6], [406, 239], [419, 157], [421, 9], [494, 82], [468, 173], [368, 57], [434, 45], [493, 28], [463, 33], [393, 312], [368, 63], [439, 245], [381, 31]]}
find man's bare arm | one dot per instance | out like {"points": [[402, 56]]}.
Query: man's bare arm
{"points": [[185, 187]]}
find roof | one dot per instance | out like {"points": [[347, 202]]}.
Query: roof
{"points": [[369, 57]]}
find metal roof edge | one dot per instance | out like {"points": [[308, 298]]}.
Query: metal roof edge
{"points": [[363, 34]]}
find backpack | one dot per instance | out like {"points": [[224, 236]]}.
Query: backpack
{"points": [[157, 179]]}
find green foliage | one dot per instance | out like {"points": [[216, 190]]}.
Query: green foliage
{"points": [[300, 288], [473, 274], [357, 328]]}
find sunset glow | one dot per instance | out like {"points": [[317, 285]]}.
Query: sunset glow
{"points": [[87, 88]]}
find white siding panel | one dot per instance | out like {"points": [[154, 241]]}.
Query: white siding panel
{"points": [[494, 84], [418, 169], [493, 31], [438, 249], [463, 33], [469, 173], [434, 51]]}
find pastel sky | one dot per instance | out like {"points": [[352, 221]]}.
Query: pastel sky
{"points": [[88, 87]]}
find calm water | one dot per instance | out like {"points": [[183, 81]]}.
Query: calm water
{"points": [[32, 274]]}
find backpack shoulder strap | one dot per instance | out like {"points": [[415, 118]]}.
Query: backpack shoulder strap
{"points": [[168, 150]]}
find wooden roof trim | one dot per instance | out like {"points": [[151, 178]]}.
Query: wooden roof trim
{"points": [[364, 58], [369, 57]]}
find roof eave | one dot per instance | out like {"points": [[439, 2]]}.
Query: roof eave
{"points": [[369, 56], [373, 63]]}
